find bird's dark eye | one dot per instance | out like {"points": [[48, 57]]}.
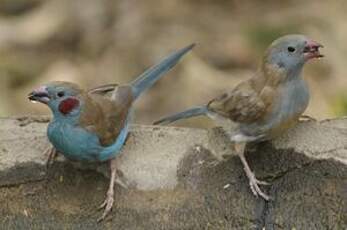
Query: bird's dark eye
{"points": [[60, 94], [291, 49]]}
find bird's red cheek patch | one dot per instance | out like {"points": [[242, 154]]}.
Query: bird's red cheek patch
{"points": [[67, 105]]}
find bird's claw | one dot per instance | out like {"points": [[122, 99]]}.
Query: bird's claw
{"points": [[262, 182], [107, 205], [307, 118], [254, 184]]}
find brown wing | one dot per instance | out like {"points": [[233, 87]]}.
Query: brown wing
{"points": [[105, 111], [246, 103]]}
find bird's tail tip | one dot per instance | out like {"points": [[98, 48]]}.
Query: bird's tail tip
{"points": [[153, 74], [186, 49], [191, 46]]}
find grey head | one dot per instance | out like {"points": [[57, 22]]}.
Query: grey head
{"points": [[291, 52]]}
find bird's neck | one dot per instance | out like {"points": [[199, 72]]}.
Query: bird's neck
{"points": [[71, 118], [67, 110], [294, 74], [273, 75]]}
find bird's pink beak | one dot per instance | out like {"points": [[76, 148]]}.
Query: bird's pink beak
{"points": [[39, 95], [311, 50]]}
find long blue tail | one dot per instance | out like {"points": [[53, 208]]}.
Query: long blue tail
{"points": [[196, 111], [150, 76]]}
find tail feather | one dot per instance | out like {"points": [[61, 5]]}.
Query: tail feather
{"points": [[196, 111], [150, 76]]}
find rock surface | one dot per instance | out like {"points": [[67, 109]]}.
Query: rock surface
{"points": [[178, 178]]}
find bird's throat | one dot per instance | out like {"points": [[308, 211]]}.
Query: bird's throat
{"points": [[67, 105]]}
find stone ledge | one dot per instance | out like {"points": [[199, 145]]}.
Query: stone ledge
{"points": [[180, 179]]}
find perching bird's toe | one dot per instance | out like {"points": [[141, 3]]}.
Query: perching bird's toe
{"points": [[254, 185], [52, 154], [107, 206]]}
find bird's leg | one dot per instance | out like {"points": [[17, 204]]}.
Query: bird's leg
{"points": [[52, 154], [253, 181], [108, 203]]}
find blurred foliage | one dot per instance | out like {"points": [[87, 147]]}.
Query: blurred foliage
{"points": [[95, 42], [261, 35], [340, 105], [17, 7]]}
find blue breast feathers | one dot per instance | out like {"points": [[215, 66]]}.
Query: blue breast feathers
{"points": [[78, 144]]}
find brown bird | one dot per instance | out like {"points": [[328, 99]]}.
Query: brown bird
{"points": [[267, 104]]}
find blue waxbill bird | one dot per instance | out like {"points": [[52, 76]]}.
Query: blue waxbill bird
{"points": [[265, 105], [92, 125]]}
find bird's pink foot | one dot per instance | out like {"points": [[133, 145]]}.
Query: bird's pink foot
{"points": [[52, 154], [254, 184], [107, 205], [253, 181]]}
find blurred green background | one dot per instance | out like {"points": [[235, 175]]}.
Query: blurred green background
{"points": [[93, 42]]}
